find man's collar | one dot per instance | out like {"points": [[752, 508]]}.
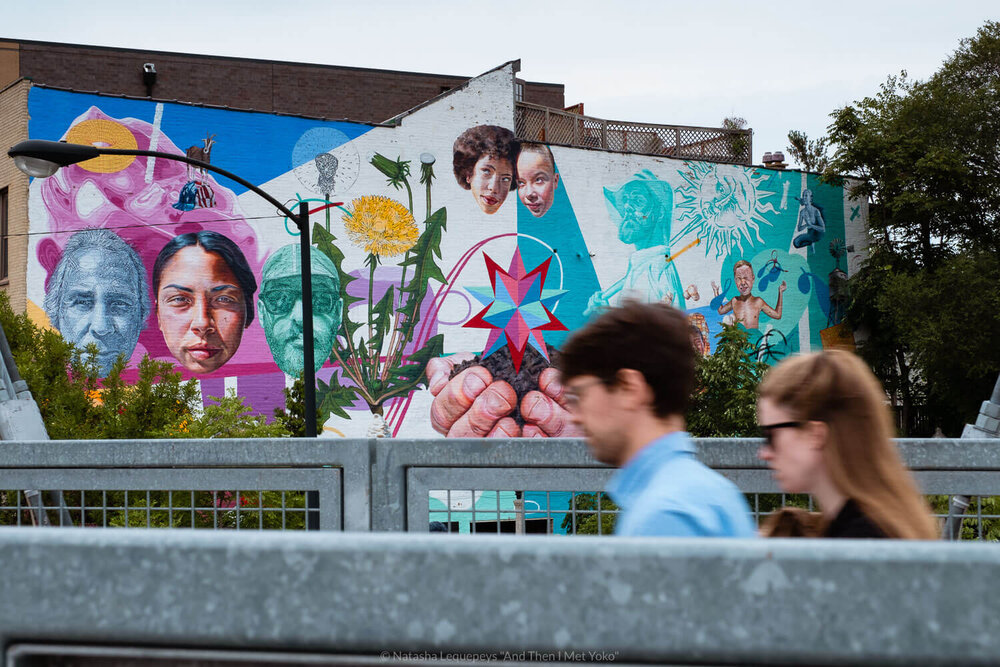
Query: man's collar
{"points": [[635, 474]]}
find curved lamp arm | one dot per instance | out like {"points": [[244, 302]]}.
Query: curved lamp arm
{"points": [[62, 154]]}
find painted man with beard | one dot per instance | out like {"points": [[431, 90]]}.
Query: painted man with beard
{"points": [[643, 207], [280, 307]]}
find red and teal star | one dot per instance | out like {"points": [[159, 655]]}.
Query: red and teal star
{"points": [[518, 308]]}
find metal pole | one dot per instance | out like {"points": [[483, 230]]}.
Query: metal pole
{"points": [[308, 370]]}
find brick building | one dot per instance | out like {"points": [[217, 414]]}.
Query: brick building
{"points": [[320, 91]]}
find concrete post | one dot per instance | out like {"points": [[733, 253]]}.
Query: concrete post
{"points": [[987, 426]]}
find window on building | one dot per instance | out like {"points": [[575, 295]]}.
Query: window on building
{"points": [[518, 91], [4, 242]]}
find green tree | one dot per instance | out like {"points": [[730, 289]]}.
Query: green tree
{"points": [[586, 519], [809, 153], [225, 417], [737, 142], [292, 418], [75, 403], [927, 156], [724, 403]]}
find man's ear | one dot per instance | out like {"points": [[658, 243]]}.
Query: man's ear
{"points": [[633, 387]]}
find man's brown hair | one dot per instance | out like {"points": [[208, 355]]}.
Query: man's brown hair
{"points": [[652, 338]]}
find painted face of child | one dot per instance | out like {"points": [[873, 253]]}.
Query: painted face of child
{"points": [[536, 181], [490, 182]]}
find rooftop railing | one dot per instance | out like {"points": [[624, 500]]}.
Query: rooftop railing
{"points": [[554, 126]]}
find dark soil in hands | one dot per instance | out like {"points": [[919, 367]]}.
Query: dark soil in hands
{"points": [[501, 366]]}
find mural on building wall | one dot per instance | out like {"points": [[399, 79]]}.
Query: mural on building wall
{"points": [[435, 312]]}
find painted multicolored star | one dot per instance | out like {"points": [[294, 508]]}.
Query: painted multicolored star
{"points": [[517, 309]]}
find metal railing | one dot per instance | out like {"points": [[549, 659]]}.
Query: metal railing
{"points": [[401, 485], [248, 484], [184, 598], [533, 122]]}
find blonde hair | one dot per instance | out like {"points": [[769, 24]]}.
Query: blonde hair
{"points": [[837, 388]]}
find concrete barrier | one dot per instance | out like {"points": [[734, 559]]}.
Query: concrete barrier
{"points": [[396, 598]]}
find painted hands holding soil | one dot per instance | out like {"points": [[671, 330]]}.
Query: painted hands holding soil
{"points": [[474, 405]]}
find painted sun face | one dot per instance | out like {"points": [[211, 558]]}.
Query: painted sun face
{"points": [[201, 309], [536, 182], [723, 205], [490, 182]]}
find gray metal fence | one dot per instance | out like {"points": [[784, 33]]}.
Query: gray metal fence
{"points": [[399, 485], [553, 126], [253, 484]]}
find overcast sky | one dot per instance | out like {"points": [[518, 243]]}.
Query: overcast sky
{"points": [[781, 65]]}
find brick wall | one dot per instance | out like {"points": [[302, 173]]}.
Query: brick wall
{"points": [[368, 95], [14, 128]]}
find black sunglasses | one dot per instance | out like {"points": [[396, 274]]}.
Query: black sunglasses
{"points": [[767, 431]]}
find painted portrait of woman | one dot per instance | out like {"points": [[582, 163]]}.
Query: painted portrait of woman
{"points": [[204, 299], [484, 160]]}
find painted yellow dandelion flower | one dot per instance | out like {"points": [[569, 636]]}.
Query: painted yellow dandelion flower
{"points": [[380, 225]]}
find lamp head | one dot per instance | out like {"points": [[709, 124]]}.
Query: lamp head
{"points": [[41, 159]]}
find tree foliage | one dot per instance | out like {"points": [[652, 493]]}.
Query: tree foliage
{"points": [[738, 143], [927, 156], [225, 417], [811, 154], [292, 419], [76, 403], [724, 403]]}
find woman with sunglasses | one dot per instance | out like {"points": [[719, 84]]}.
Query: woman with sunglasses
{"points": [[827, 432]]}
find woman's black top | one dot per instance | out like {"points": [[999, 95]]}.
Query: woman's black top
{"points": [[850, 522]]}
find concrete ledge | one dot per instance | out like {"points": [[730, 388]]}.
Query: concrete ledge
{"points": [[680, 601]]}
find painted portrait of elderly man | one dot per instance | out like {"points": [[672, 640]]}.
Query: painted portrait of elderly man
{"points": [[97, 295], [280, 307]]}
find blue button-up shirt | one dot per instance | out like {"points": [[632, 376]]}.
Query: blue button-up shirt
{"points": [[664, 490]]}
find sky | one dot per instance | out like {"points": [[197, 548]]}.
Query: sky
{"points": [[780, 65]]}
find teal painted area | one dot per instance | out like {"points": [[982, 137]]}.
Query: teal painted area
{"points": [[490, 506], [559, 229], [806, 271]]}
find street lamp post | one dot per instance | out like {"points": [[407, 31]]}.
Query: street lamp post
{"points": [[42, 159]]}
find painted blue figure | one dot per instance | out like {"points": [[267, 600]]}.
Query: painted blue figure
{"points": [[644, 207], [188, 197], [811, 223]]}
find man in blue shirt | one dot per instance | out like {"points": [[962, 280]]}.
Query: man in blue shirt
{"points": [[627, 377]]}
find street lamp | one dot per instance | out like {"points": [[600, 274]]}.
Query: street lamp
{"points": [[42, 159]]}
